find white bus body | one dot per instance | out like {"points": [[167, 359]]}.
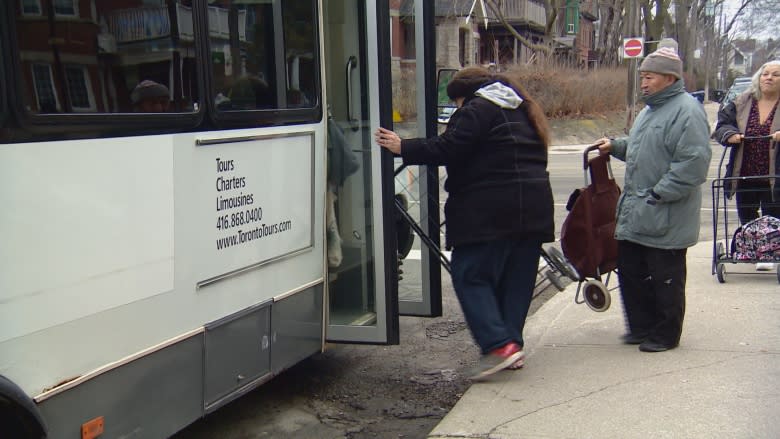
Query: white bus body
{"points": [[155, 266]]}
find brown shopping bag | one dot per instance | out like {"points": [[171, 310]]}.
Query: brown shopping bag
{"points": [[588, 232]]}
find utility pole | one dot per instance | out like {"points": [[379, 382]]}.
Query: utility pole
{"points": [[709, 13], [724, 57], [631, 30]]}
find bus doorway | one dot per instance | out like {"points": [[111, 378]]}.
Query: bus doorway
{"points": [[361, 301], [365, 245]]}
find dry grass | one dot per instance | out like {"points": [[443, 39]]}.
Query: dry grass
{"points": [[569, 92], [563, 92]]}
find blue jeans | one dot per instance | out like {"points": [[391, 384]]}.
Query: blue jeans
{"points": [[494, 282]]}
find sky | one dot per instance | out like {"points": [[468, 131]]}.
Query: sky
{"points": [[769, 10]]}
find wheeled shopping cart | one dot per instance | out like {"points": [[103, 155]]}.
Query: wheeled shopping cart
{"points": [[555, 271], [587, 235], [751, 243]]}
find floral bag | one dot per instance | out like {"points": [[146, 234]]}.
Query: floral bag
{"points": [[758, 240]]}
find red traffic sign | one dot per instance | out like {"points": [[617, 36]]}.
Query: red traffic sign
{"points": [[633, 47]]}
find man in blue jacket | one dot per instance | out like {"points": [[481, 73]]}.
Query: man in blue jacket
{"points": [[667, 155]]}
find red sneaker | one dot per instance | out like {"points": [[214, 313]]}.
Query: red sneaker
{"points": [[497, 359]]}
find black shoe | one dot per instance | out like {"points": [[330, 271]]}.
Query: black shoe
{"points": [[652, 346], [633, 338]]}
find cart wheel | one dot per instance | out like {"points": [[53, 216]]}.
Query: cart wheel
{"points": [[562, 264], [556, 280], [721, 272], [596, 295]]}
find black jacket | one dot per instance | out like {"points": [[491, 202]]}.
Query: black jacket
{"points": [[497, 176]]}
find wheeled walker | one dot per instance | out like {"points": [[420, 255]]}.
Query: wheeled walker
{"points": [[728, 244]]}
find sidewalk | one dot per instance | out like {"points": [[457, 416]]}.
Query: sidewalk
{"points": [[723, 381]]}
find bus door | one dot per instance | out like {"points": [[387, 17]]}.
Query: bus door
{"points": [[362, 279], [417, 188], [361, 219]]}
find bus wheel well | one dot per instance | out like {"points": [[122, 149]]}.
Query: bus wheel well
{"points": [[19, 416]]}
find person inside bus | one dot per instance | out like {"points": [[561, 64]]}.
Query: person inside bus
{"points": [[749, 124], [499, 209], [342, 162], [150, 97]]}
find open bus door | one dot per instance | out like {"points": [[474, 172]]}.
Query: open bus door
{"points": [[363, 301]]}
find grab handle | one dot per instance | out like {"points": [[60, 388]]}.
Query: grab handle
{"points": [[587, 151], [351, 65], [586, 163]]}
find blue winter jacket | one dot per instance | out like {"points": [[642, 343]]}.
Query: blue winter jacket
{"points": [[667, 155]]}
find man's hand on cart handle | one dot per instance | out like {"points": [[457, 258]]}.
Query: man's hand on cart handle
{"points": [[605, 145]]}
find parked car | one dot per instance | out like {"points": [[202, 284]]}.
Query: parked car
{"points": [[735, 89], [742, 79], [716, 95], [699, 95], [445, 113]]}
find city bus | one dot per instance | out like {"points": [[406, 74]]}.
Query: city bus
{"points": [[192, 203]]}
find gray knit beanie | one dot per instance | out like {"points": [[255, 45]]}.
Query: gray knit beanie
{"points": [[665, 61]]}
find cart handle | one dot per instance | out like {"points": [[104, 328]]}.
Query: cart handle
{"points": [[585, 153], [731, 145]]}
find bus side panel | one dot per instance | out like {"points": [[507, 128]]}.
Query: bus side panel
{"points": [[296, 328], [249, 348], [132, 398], [89, 276], [88, 226], [237, 352]]}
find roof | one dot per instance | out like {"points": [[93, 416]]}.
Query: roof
{"points": [[745, 46]]}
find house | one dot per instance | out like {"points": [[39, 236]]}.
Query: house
{"points": [[498, 44], [85, 56], [741, 57], [457, 32], [469, 32]]}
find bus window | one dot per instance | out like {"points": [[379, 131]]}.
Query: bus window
{"points": [[263, 54], [89, 57]]}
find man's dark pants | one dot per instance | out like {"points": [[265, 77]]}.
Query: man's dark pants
{"points": [[652, 285], [494, 282]]}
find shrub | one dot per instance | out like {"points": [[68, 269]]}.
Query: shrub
{"points": [[571, 92], [563, 92]]}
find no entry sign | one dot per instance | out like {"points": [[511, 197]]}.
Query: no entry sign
{"points": [[633, 47]]}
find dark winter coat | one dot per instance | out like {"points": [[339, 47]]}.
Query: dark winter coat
{"points": [[497, 176], [733, 119]]}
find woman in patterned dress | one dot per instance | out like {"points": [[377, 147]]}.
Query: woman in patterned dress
{"points": [[754, 114]]}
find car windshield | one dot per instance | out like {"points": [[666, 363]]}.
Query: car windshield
{"points": [[734, 91]]}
